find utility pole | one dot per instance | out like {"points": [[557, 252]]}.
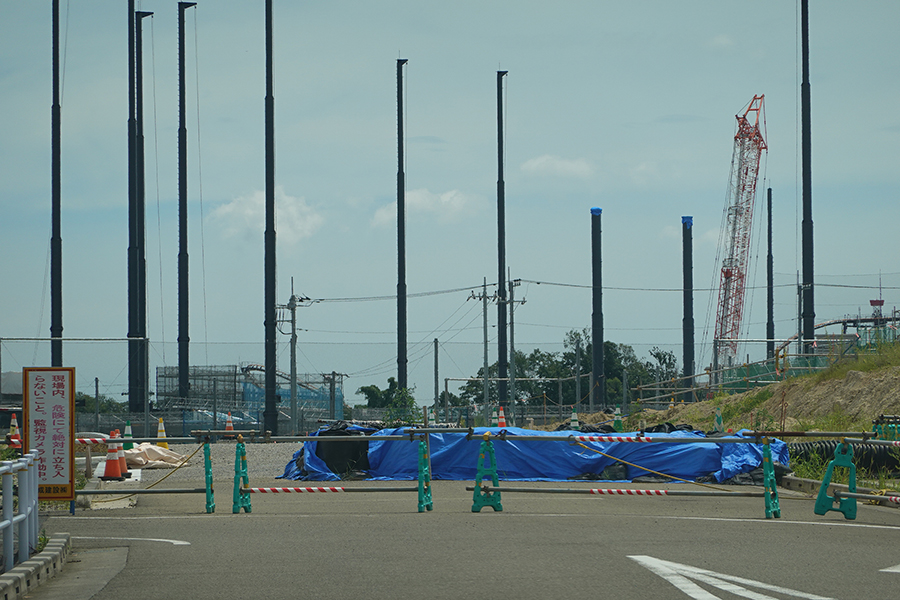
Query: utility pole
{"points": [[292, 305], [513, 284], [484, 300]]}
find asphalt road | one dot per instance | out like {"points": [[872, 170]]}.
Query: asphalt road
{"points": [[378, 545]]}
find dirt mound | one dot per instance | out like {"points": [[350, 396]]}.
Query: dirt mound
{"points": [[797, 403]]}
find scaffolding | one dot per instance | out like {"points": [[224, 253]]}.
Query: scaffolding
{"points": [[240, 389]]}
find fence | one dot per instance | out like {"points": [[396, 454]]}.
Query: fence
{"points": [[242, 489], [25, 515], [490, 495]]}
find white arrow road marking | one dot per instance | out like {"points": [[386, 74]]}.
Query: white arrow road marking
{"points": [[130, 539], [891, 569], [681, 575]]}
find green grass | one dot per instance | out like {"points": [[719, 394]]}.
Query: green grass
{"points": [[885, 355]]}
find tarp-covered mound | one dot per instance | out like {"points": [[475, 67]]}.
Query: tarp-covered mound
{"points": [[323, 462], [456, 458]]}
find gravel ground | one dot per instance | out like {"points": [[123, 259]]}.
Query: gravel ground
{"points": [[265, 462]]}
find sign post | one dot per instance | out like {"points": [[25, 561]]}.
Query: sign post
{"points": [[48, 404]]}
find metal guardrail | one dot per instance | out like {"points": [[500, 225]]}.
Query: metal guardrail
{"points": [[26, 515]]}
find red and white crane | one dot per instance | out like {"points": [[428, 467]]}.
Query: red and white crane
{"points": [[734, 241]]}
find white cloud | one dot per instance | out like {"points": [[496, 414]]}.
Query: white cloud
{"points": [[246, 217], [558, 167], [721, 41], [448, 207]]}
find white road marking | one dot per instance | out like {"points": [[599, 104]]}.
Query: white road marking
{"points": [[891, 569], [681, 575], [131, 539]]}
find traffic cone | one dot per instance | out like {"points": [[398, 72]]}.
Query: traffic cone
{"points": [[501, 420], [128, 445], [120, 452], [229, 425], [112, 471], [495, 422], [15, 439], [573, 422], [720, 426], [617, 420], [161, 433]]}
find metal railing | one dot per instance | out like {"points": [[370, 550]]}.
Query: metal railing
{"points": [[25, 515]]}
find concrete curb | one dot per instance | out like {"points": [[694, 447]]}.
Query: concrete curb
{"points": [[39, 569], [811, 486]]}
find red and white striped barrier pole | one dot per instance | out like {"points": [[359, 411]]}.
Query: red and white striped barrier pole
{"points": [[619, 492], [316, 490]]}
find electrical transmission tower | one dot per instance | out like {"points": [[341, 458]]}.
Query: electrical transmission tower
{"points": [[749, 144]]}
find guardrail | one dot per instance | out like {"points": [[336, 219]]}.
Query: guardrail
{"points": [[25, 515]]}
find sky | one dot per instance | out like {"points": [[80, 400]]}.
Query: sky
{"points": [[627, 106]]}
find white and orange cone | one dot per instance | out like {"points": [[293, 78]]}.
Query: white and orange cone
{"points": [[501, 420], [120, 452], [15, 439], [112, 471], [229, 425]]}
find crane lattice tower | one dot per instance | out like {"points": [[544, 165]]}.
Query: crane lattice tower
{"points": [[749, 144]]}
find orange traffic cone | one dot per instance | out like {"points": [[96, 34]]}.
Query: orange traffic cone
{"points": [[15, 439], [112, 471], [120, 451], [501, 420], [161, 433], [229, 426]]}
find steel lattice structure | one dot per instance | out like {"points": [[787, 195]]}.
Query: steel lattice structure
{"points": [[749, 144]]}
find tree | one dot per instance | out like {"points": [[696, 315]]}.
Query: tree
{"points": [[88, 404], [378, 398], [666, 367]]}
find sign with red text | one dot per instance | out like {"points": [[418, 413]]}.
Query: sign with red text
{"points": [[48, 407]]}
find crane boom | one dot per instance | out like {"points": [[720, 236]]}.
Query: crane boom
{"points": [[749, 144]]}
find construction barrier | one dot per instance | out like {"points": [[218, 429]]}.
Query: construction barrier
{"points": [[25, 514], [490, 495], [113, 466], [242, 489]]}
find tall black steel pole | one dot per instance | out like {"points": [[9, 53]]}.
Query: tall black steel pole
{"points": [[598, 375], [770, 285], [502, 356], [144, 361], [687, 323], [809, 313], [56, 327], [270, 414], [138, 363], [134, 400], [402, 382], [183, 329]]}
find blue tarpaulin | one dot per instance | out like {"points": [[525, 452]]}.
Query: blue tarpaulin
{"points": [[454, 457]]}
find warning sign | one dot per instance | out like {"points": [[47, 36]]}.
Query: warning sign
{"points": [[48, 402]]}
